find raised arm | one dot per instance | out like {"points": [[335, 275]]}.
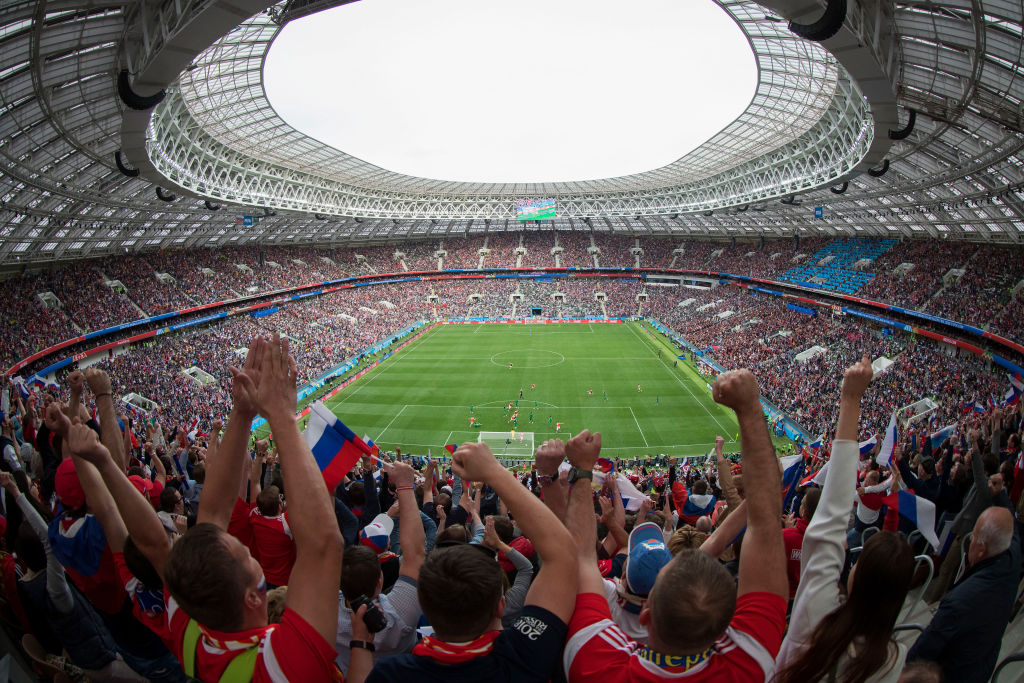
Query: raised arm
{"points": [[554, 589], [222, 475], [410, 527], [763, 560], [825, 539], [313, 587], [548, 458], [138, 516], [579, 515], [110, 433], [732, 498]]}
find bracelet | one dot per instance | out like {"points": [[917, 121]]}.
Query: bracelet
{"points": [[361, 644], [545, 479], [404, 488]]}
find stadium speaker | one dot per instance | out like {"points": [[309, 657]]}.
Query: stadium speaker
{"points": [[709, 213], [267, 213], [760, 246], [841, 189], [904, 132], [319, 216], [880, 172], [741, 209], [130, 172], [825, 27], [165, 196], [673, 216], [211, 206], [133, 100], [790, 200]]}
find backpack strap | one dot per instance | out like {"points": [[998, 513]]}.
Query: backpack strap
{"points": [[188, 648], [240, 670]]}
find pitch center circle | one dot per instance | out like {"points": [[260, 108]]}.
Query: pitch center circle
{"points": [[529, 361]]}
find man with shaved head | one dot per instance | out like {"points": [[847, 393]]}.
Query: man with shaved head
{"points": [[965, 634]]}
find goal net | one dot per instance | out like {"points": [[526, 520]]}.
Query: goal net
{"points": [[510, 444], [915, 412]]}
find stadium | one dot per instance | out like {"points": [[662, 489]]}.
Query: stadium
{"points": [[161, 209]]}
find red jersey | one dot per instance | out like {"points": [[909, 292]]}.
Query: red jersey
{"points": [[523, 545], [793, 540], [147, 605], [289, 651], [597, 649], [273, 546]]}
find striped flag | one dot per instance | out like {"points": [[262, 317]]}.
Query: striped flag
{"points": [[918, 510], [938, 438], [335, 447], [885, 452], [868, 446], [816, 478], [792, 472]]}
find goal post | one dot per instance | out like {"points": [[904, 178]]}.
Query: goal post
{"points": [[916, 412], [511, 444]]}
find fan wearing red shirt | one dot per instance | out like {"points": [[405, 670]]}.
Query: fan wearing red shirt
{"points": [[215, 591], [272, 541], [793, 537], [700, 627]]}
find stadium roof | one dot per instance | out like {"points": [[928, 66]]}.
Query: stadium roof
{"points": [[830, 126]]}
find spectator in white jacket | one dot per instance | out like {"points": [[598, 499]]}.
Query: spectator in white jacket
{"points": [[852, 639]]}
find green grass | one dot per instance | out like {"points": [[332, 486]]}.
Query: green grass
{"points": [[420, 398]]}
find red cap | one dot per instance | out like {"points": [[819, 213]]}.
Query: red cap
{"points": [[148, 488], [68, 488]]}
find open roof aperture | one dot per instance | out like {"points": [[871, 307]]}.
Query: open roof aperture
{"points": [[527, 92]]}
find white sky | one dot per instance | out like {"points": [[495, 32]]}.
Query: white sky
{"points": [[530, 91]]}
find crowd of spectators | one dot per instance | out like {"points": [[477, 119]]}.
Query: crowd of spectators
{"points": [[983, 296], [140, 551]]}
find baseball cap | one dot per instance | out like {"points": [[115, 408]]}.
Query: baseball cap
{"points": [[148, 488], [377, 534], [647, 555], [68, 488]]}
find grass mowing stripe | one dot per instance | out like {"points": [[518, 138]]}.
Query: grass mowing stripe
{"points": [[687, 386], [583, 376]]}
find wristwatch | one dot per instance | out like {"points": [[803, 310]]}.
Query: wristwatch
{"points": [[575, 474]]}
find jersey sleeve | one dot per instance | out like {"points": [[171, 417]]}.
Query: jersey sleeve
{"points": [[535, 641], [597, 649], [294, 651], [760, 618]]}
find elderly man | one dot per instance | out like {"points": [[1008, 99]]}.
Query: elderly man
{"points": [[974, 614]]}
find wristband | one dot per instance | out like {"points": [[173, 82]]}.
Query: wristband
{"points": [[545, 479], [404, 488], [362, 645]]}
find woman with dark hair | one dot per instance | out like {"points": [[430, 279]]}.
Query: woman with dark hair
{"points": [[830, 639]]}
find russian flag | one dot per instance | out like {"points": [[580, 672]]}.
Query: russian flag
{"points": [[885, 452], [991, 403], [631, 497], [335, 447], [816, 444], [374, 448], [21, 387], [605, 465], [1011, 397], [816, 478], [451, 448], [792, 471], [938, 438], [920, 511], [979, 407], [868, 446]]}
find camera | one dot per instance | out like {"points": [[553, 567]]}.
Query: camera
{"points": [[373, 618]]}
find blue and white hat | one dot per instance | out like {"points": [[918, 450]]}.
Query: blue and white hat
{"points": [[647, 555]]}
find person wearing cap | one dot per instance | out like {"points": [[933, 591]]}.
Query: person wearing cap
{"points": [[76, 536], [362, 574], [700, 624], [461, 593], [627, 595]]}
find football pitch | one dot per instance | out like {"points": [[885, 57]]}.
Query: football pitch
{"points": [[424, 396]]}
